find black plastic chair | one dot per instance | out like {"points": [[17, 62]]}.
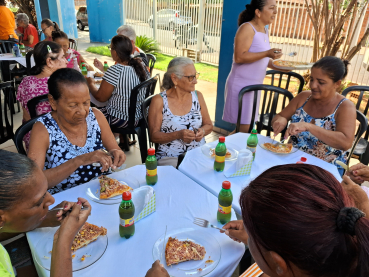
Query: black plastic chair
{"points": [[141, 91], [72, 44], [28, 62], [361, 150], [277, 78], [363, 126], [6, 46], [21, 132], [267, 112], [152, 60], [32, 104], [6, 123]]}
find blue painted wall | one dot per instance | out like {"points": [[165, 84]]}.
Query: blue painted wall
{"points": [[53, 9], [38, 15], [68, 12], [231, 10], [104, 18]]}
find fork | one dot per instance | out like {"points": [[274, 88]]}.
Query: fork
{"points": [[292, 54], [194, 129], [58, 209], [204, 223]]}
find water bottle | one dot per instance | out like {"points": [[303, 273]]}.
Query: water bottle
{"points": [[16, 52]]}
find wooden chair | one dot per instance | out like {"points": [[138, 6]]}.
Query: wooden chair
{"points": [[33, 103], [267, 112], [21, 132], [277, 78], [361, 150], [72, 44], [152, 60], [6, 123]]}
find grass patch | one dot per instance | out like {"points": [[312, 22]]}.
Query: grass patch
{"points": [[207, 72]]}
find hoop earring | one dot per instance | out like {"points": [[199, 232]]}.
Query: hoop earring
{"points": [[1, 227]]}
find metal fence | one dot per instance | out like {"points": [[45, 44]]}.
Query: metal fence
{"points": [[179, 25]]}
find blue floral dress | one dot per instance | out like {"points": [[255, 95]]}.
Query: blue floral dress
{"points": [[61, 150], [310, 144]]}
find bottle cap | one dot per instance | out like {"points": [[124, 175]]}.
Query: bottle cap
{"points": [[222, 139], [226, 185], [105, 62], [151, 151], [126, 195], [303, 159], [254, 132]]}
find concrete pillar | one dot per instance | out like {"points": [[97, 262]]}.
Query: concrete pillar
{"points": [[231, 10], [104, 18]]}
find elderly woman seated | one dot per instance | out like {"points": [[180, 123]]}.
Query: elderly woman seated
{"points": [[322, 121], [26, 30], [178, 117], [69, 140]]}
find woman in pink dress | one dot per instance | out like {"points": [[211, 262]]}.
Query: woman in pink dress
{"points": [[252, 55], [48, 58]]}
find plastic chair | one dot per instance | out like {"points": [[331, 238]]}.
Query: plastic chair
{"points": [[28, 62], [267, 112], [277, 77], [33, 103], [6, 46], [72, 44], [6, 123], [152, 60], [145, 89], [363, 126], [361, 150], [21, 132]]}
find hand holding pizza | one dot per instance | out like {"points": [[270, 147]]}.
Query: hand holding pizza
{"points": [[296, 128], [157, 270], [236, 231], [279, 125]]}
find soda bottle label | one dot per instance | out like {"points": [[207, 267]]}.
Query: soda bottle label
{"points": [[152, 172], [220, 159], [127, 222], [224, 210], [252, 149]]}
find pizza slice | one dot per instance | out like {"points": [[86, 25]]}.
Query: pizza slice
{"points": [[177, 251], [110, 187], [212, 153], [86, 235], [279, 147]]}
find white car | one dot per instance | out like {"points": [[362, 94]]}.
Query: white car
{"points": [[169, 18]]}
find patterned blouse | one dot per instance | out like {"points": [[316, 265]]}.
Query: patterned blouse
{"points": [[29, 88], [172, 123], [61, 150], [310, 144]]}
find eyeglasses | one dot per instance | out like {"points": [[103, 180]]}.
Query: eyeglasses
{"points": [[109, 47], [190, 78], [43, 30]]}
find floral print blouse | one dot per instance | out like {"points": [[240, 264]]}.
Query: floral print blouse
{"points": [[310, 144]]}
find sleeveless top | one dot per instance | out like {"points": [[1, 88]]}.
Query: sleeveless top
{"points": [[310, 144], [61, 150], [172, 123]]}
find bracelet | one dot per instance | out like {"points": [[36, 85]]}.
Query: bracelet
{"points": [[203, 130]]}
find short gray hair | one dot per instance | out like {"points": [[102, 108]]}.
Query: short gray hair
{"points": [[175, 66], [23, 17], [127, 31]]}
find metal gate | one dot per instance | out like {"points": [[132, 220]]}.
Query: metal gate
{"points": [[179, 25]]}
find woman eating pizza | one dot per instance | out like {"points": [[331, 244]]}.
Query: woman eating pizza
{"points": [[24, 206], [322, 121], [69, 141]]}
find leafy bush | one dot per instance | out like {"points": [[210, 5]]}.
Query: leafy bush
{"points": [[148, 45]]}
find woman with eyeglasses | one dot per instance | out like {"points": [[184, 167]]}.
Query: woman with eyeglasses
{"points": [[118, 82], [178, 117], [48, 27]]}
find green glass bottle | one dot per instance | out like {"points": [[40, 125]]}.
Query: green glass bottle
{"points": [[151, 168], [225, 199], [220, 152], [126, 215], [106, 66], [252, 142], [84, 71]]}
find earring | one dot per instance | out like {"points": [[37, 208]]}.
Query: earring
{"points": [[279, 270], [1, 227]]}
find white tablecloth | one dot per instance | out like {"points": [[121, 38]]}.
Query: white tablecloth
{"points": [[178, 201], [21, 60], [200, 168]]}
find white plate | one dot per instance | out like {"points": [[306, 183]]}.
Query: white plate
{"points": [[297, 67], [190, 268], [96, 249], [93, 190], [206, 150], [270, 140]]}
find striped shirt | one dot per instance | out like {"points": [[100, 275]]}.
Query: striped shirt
{"points": [[252, 271], [124, 79]]}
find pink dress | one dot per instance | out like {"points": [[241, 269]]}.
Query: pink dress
{"points": [[29, 88], [243, 75], [70, 61]]}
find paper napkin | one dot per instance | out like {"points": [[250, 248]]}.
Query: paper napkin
{"points": [[242, 166], [144, 199]]}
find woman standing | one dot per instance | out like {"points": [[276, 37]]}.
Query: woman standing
{"points": [[48, 27], [252, 55]]}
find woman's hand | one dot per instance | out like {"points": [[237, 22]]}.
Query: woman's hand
{"points": [[97, 156], [357, 193], [118, 157], [54, 218], [279, 124], [273, 55], [157, 270], [73, 222], [359, 173], [187, 135], [90, 81], [98, 65], [236, 231], [200, 134], [296, 128]]}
